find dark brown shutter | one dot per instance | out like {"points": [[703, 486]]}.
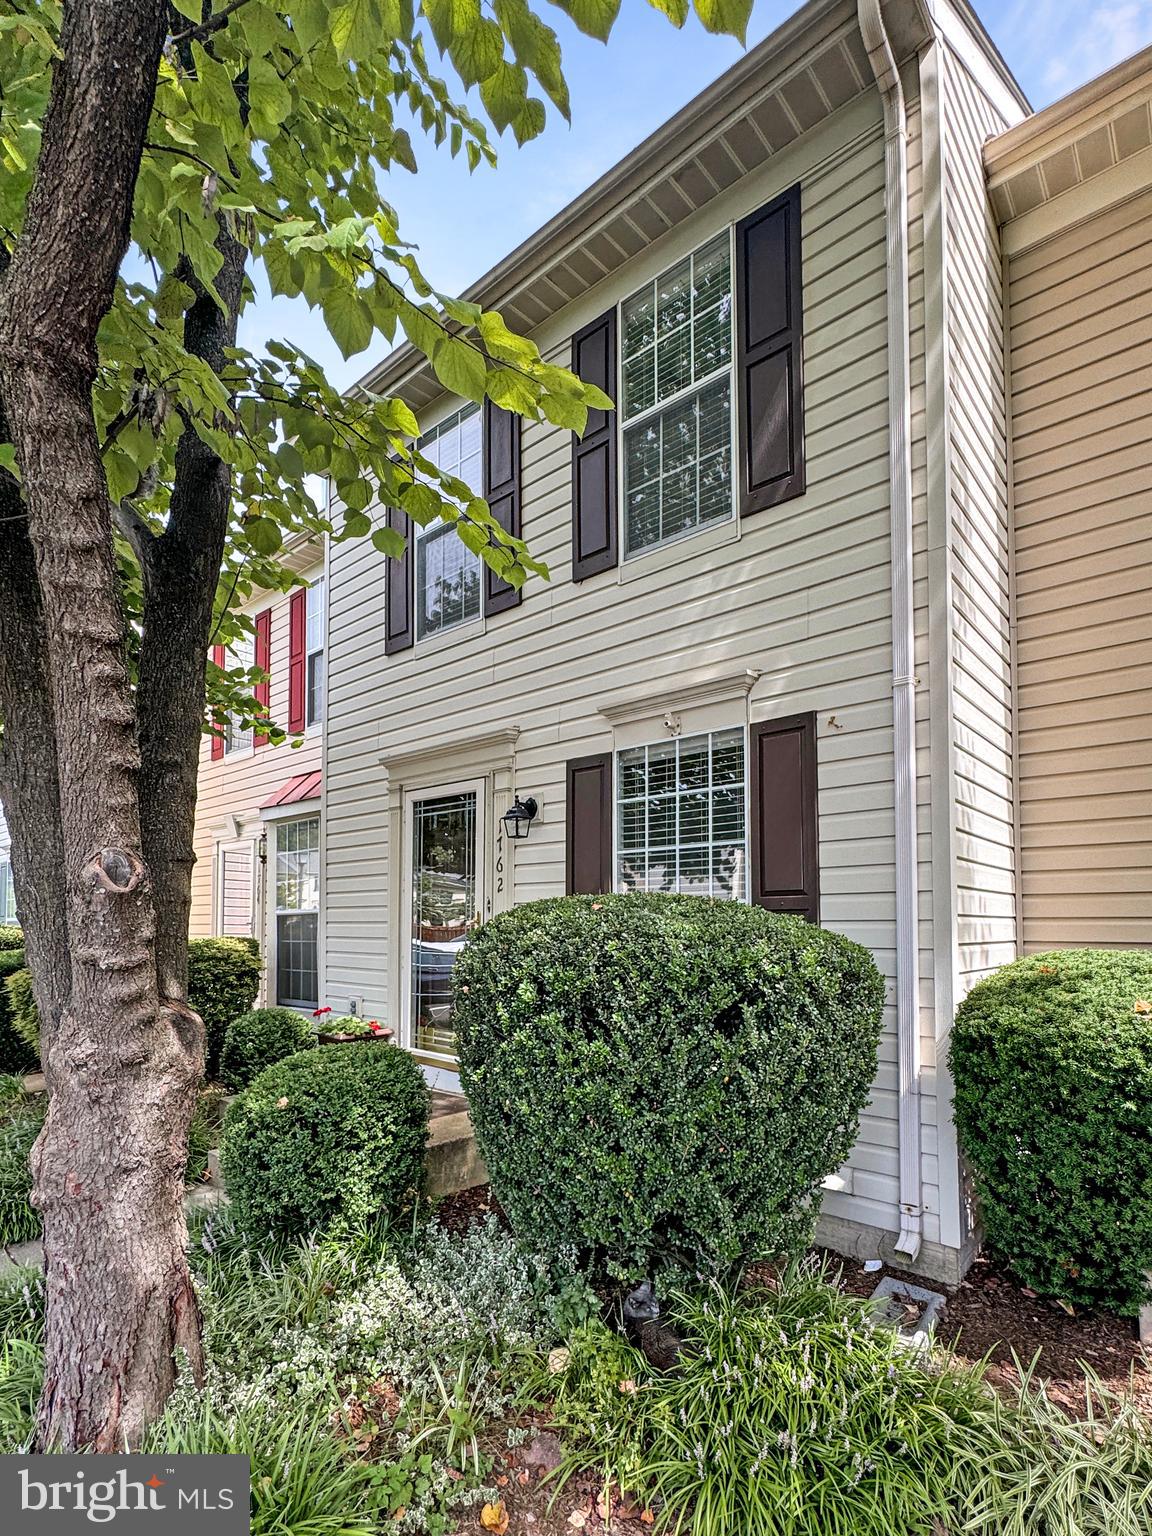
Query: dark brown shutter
{"points": [[398, 595], [502, 493], [785, 845], [594, 519], [770, 334], [589, 819]]}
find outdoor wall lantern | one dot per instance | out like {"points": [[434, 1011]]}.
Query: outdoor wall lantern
{"points": [[519, 817]]}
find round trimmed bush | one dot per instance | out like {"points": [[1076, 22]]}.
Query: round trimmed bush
{"points": [[223, 979], [11, 936], [1052, 1062], [329, 1138], [663, 1081], [255, 1040]]}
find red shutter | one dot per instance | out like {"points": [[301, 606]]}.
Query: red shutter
{"points": [[263, 659], [502, 493], [217, 739], [589, 825], [297, 658], [769, 354], [398, 625], [784, 828], [594, 515]]}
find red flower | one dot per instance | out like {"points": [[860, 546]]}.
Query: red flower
{"points": [[318, 1013]]}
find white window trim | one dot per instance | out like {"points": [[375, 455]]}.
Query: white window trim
{"points": [[302, 810], [628, 557], [316, 727], [670, 735], [246, 746], [473, 624]]}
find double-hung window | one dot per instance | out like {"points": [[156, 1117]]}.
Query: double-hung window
{"points": [[237, 738], [297, 912], [676, 399], [314, 652], [7, 892], [681, 822], [448, 573]]}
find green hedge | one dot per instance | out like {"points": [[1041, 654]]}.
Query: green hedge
{"points": [[1052, 1062], [329, 1138], [663, 1081], [223, 979], [16, 1055], [255, 1040], [21, 1006], [11, 936]]}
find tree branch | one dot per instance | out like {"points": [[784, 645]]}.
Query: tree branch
{"points": [[206, 28]]}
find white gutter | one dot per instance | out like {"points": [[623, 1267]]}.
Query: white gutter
{"points": [[887, 75]]}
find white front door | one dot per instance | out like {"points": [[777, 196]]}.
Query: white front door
{"points": [[443, 900]]}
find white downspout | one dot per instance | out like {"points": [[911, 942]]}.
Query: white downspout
{"points": [[903, 681]]}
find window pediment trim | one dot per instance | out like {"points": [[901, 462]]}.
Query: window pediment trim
{"points": [[498, 745], [679, 696]]}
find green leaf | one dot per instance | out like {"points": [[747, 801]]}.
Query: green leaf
{"points": [[8, 458], [270, 98], [725, 16], [477, 54], [595, 17], [504, 93], [264, 534], [675, 10], [348, 318], [353, 28], [389, 542], [450, 19], [460, 367]]}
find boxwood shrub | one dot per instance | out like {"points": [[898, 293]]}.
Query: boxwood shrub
{"points": [[223, 979], [255, 1040], [331, 1138], [16, 1055], [1052, 1062], [11, 936], [663, 1081]]}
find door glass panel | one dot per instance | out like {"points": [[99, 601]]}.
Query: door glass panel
{"points": [[445, 908]]}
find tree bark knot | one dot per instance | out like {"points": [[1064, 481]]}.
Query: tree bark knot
{"points": [[116, 871]]}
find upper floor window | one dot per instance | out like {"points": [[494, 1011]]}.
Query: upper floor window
{"points": [[236, 737], [314, 652], [7, 892], [676, 399], [680, 816], [448, 573]]}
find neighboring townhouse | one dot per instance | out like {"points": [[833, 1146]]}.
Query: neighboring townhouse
{"points": [[7, 889], [257, 842], [1072, 189], [773, 659]]}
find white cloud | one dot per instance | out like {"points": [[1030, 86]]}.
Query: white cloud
{"points": [[1054, 46]]}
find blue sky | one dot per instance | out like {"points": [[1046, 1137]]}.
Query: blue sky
{"points": [[624, 90]]}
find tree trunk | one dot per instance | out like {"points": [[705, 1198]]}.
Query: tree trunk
{"points": [[122, 1065], [181, 569]]}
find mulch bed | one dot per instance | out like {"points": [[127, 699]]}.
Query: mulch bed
{"points": [[992, 1314], [989, 1314]]}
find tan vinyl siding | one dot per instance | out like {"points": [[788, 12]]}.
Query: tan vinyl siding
{"points": [[232, 789], [802, 594], [984, 814], [1081, 350]]}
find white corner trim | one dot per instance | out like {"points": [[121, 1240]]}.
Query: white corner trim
{"points": [[498, 743], [676, 696], [883, 62]]}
